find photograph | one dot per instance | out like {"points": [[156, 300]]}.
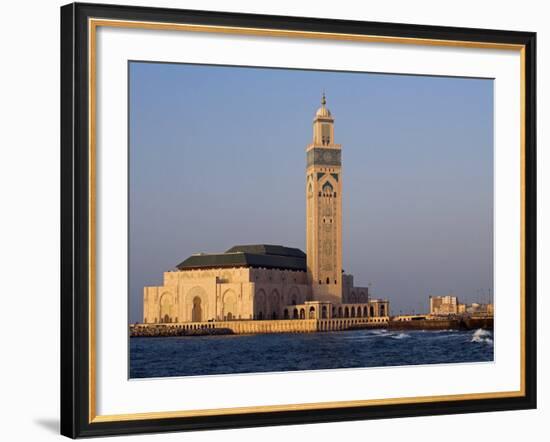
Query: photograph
{"points": [[295, 219]]}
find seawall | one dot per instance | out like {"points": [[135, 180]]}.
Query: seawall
{"points": [[302, 326], [443, 324], [253, 327]]}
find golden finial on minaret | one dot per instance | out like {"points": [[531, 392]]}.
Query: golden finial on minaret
{"points": [[324, 99]]}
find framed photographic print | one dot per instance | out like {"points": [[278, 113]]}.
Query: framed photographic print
{"points": [[274, 220]]}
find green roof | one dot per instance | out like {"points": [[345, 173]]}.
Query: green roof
{"points": [[268, 249], [254, 255]]}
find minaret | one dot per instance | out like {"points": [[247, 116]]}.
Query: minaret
{"points": [[324, 209]]}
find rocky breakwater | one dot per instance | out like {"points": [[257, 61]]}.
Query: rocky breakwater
{"points": [[161, 330], [458, 323]]}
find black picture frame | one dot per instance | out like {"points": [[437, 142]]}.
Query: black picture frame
{"points": [[75, 221]]}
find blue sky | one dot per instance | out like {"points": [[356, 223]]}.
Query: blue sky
{"points": [[217, 158]]}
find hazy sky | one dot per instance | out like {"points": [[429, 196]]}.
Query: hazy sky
{"points": [[217, 158]]}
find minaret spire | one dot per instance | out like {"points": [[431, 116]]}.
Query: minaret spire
{"points": [[324, 209]]}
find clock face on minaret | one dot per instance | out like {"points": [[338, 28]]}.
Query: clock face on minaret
{"points": [[324, 209]]}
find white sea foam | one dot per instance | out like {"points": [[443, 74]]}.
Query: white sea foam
{"points": [[401, 336], [379, 331], [482, 336]]}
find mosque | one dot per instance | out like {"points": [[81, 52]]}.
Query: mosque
{"points": [[263, 281]]}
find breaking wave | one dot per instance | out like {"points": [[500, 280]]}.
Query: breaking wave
{"points": [[381, 331], [482, 336], [378, 333]]}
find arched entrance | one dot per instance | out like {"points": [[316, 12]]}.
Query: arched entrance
{"points": [[260, 304], [312, 312], [302, 314], [196, 313], [166, 303], [274, 303], [229, 305], [324, 312], [293, 295], [196, 305], [371, 311]]}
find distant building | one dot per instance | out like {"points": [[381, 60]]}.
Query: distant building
{"points": [[449, 305], [480, 309], [264, 281], [444, 305]]}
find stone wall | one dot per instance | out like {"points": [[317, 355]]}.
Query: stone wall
{"points": [[259, 327], [443, 324]]}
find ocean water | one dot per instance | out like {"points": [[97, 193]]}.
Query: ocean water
{"points": [[208, 355]]}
